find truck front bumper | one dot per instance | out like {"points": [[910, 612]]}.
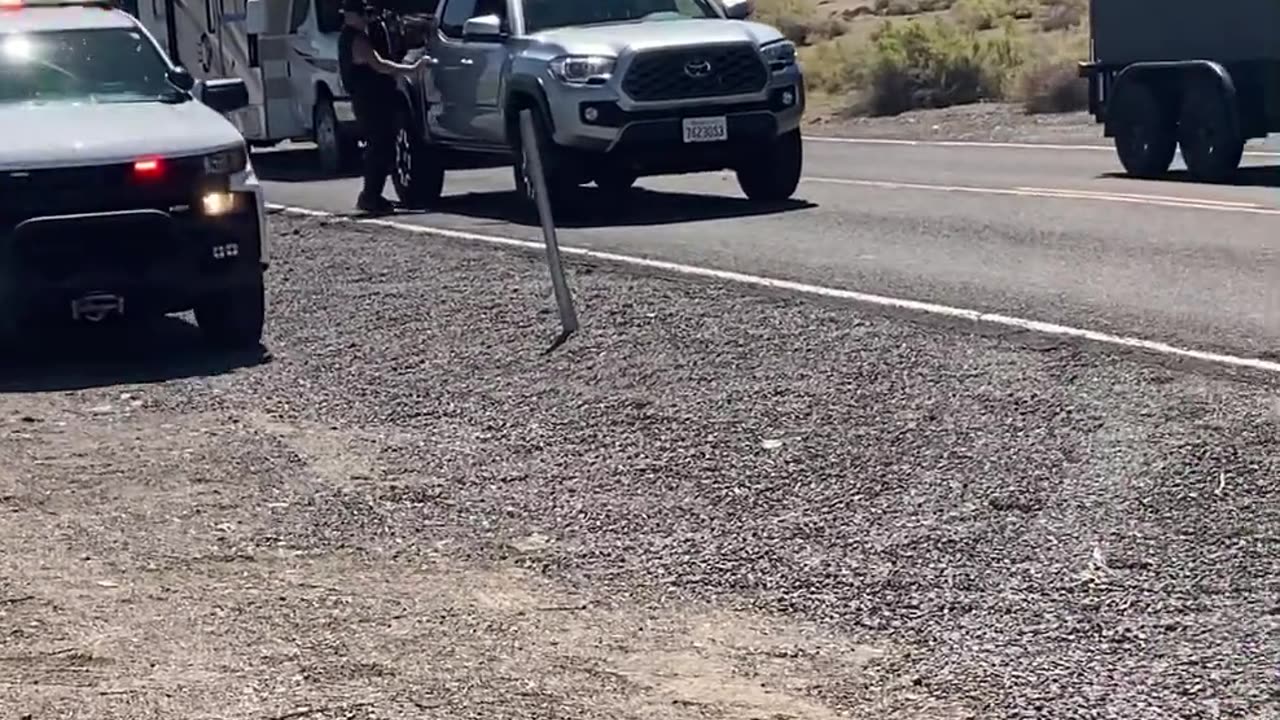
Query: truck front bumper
{"points": [[651, 141], [88, 267]]}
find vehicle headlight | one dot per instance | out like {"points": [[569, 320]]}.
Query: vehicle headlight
{"points": [[779, 55], [227, 162], [583, 69]]}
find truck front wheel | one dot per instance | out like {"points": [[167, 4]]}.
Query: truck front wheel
{"points": [[559, 187], [774, 174], [232, 319], [418, 174], [1212, 145], [1144, 135]]}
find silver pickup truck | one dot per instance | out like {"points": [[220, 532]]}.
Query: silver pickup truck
{"points": [[619, 89]]}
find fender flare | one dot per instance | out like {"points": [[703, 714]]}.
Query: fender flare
{"points": [[519, 88], [1135, 72], [412, 95]]}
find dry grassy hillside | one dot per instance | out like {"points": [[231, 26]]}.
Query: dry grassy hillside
{"points": [[883, 57]]}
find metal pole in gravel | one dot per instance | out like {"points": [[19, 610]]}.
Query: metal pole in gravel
{"points": [[533, 157]]}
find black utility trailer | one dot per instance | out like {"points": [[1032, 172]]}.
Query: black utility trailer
{"points": [[1203, 75]]}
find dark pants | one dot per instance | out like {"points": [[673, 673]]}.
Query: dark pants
{"points": [[377, 124]]}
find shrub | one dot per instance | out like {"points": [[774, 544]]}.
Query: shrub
{"points": [[910, 7], [1062, 14], [1053, 87], [989, 14], [931, 65], [799, 22]]}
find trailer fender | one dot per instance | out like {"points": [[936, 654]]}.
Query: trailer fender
{"points": [[1170, 78]]}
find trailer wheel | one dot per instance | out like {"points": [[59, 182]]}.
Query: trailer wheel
{"points": [[1212, 144], [1145, 136], [418, 175]]}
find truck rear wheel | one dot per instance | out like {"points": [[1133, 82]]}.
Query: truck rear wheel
{"points": [[418, 175], [1212, 145], [774, 174], [1145, 138]]}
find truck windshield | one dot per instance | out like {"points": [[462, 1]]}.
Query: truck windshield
{"points": [[99, 65], [542, 15]]}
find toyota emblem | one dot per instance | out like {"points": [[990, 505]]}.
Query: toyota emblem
{"points": [[698, 68]]}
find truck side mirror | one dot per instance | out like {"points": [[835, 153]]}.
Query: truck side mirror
{"points": [[739, 9], [255, 17], [181, 78], [485, 28], [226, 95]]}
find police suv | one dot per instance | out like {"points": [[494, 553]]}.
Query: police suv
{"points": [[124, 190]]}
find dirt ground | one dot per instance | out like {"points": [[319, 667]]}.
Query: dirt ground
{"points": [[712, 504]]}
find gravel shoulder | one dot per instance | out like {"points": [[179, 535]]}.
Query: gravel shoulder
{"points": [[711, 504], [983, 122]]}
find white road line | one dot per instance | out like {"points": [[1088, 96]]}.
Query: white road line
{"points": [[1062, 194], [816, 290], [992, 145], [1141, 196]]}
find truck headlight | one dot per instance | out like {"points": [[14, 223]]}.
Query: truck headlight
{"points": [[780, 54], [583, 69], [226, 162]]}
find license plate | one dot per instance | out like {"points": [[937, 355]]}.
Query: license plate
{"points": [[96, 307], [707, 129]]}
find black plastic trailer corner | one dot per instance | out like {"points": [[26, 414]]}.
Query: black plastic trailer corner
{"points": [[1200, 76]]}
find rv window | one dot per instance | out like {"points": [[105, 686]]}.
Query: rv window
{"points": [[299, 14], [329, 15]]}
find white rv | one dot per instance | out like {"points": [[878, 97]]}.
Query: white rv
{"points": [[286, 51]]}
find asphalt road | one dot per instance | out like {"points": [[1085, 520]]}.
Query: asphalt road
{"points": [[1046, 234]]}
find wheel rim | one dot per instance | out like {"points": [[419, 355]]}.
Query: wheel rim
{"points": [[526, 174], [404, 157], [1204, 141]]}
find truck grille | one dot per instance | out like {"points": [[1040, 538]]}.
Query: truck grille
{"points": [[104, 188], [695, 73]]}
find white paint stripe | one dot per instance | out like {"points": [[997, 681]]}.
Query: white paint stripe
{"points": [[1064, 194], [1141, 196], [817, 290], [992, 145]]}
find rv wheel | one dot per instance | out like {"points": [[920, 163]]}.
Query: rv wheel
{"points": [[336, 150]]}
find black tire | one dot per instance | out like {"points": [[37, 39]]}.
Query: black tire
{"points": [[774, 174], [337, 151], [1145, 135], [1212, 145], [560, 189], [233, 319], [418, 173]]}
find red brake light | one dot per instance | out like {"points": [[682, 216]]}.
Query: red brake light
{"points": [[146, 168], [11, 4]]}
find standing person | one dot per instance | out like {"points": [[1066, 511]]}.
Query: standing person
{"points": [[370, 79]]}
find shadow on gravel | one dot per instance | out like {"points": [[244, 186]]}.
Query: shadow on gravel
{"points": [[640, 207], [1250, 176], [77, 358]]}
